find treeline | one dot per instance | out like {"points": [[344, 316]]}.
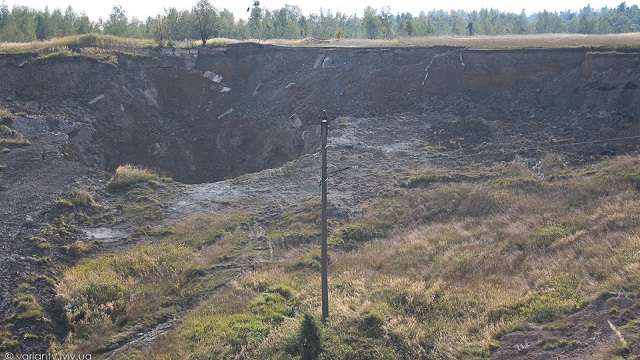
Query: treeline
{"points": [[204, 21]]}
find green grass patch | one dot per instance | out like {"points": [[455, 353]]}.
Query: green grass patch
{"points": [[352, 235], [622, 171], [429, 177], [6, 131], [27, 307], [236, 331], [8, 340], [552, 343], [204, 229], [78, 248], [14, 142], [545, 236], [6, 117]]}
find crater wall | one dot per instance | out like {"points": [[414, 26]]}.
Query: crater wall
{"points": [[222, 112]]}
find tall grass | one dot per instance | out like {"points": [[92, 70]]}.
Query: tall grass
{"points": [[102, 41], [129, 175], [469, 262], [104, 296]]}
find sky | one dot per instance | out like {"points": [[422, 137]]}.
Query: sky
{"points": [[143, 8]]}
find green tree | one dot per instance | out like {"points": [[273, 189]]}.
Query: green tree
{"points": [[404, 24], [205, 20], [43, 25], [242, 30], [372, 23], [4, 14], [117, 24], [227, 28], [20, 25], [160, 28], [84, 25], [542, 22], [183, 25], [255, 20], [285, 22], [386, 21]]}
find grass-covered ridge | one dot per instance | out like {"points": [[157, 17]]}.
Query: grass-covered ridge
{"points": [[104, 47], [457, 265]]}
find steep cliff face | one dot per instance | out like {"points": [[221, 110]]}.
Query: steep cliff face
{"points": [[217, 113]]}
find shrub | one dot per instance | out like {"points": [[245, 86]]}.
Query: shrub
{"points": [[128, 175], [6, 131], [553, 343]]}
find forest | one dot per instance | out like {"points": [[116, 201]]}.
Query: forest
{"points": [[204, 21]]}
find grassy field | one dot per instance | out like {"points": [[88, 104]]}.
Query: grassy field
{"points": [[439, 269]]}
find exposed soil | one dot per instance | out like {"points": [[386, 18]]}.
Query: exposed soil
{"points": [[250, 113], [595, 332]]}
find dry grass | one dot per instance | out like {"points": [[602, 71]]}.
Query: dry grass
{"points": [[77, 41], [629, 41], [106, 296], [103, 46], [129, 175], [447, 283]]}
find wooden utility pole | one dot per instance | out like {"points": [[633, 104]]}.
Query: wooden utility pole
{"points": [[324, 125]]}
